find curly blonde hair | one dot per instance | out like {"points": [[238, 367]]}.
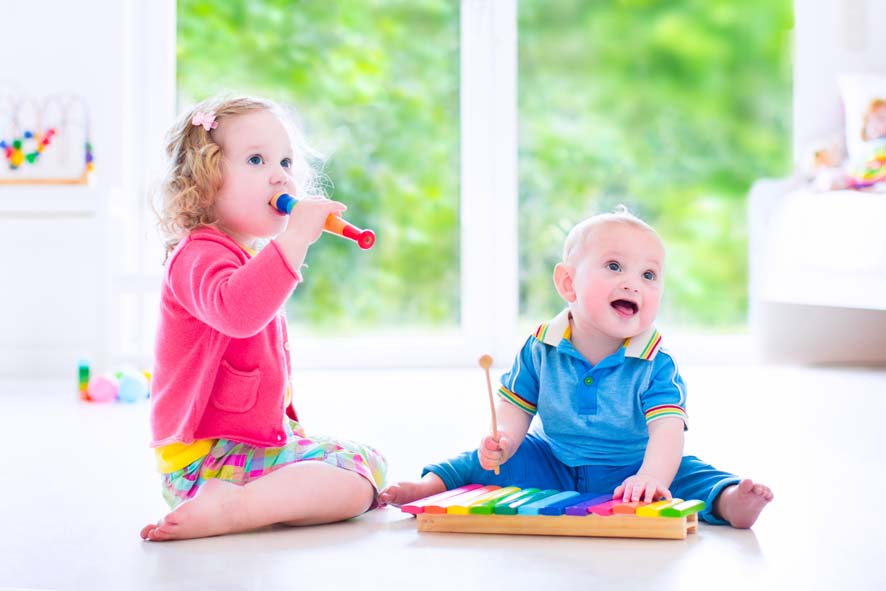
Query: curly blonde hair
{"points": [[193, 175]]}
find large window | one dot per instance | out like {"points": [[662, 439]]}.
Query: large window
{"points": [[672, 108], [377, 86], [471, 135]]}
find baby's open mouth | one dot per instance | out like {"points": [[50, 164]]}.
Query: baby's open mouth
{"points": [[625, 307]]}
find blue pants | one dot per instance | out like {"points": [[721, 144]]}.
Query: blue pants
{"points": [[534, 465]]}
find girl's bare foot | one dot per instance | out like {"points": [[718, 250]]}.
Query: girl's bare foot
{"points": [[303, 493], [404, 493], [741, 504], [211, 513]]}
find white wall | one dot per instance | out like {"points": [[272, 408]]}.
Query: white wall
{"points": [[831, 37], [70, 248], [62, 242], [816, 259]]}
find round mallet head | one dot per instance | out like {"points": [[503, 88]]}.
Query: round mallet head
{"points": [[485, 361]]}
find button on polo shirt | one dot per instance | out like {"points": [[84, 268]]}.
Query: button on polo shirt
{"points": [[588, 397]]}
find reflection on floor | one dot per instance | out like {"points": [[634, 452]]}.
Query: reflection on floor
{"points": [[78, 484]]}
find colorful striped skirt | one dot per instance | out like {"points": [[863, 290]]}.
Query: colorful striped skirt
{"points": [[240, 463]]}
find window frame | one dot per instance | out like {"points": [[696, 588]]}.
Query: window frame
{"points": [[488, 200]]}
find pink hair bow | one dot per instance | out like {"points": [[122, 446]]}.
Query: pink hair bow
{"points": [[207, 120]]}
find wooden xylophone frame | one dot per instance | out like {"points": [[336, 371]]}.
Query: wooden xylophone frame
{"points": [[450, 511], [610, 526]]}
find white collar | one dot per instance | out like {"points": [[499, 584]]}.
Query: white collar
{"points": [[642, 346]]}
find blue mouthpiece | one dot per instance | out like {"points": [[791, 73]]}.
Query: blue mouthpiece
{"points": [[284, 202]]}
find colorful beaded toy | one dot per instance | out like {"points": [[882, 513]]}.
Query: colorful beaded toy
{"points": [[29, 147], [41, 139], [26, 148]]}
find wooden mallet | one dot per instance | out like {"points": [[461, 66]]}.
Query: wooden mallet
{"points": [[486, 363]]}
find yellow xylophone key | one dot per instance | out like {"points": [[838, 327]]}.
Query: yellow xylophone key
{"points": [[464, 509], [419, 505], [653, 509], [462, 499]]}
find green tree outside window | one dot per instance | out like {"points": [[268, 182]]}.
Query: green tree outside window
{"points": [[376, 85], [672, 108]]}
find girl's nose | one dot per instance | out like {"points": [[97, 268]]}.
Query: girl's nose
{"points": [[628, 287], [279, 176]]}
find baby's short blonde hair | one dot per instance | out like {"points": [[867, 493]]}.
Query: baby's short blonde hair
{"points": [[582, 232], [193, 175]]}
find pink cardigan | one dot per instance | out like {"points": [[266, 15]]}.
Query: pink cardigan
{"points": [[222, 353]]}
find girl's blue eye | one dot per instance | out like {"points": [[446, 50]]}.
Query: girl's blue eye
{"points": [[649, 275], [613, 266], [256, 159], [286, 163]]}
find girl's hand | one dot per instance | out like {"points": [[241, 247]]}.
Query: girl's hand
{"points": [[641, 487], [304, 228], [308, 217], [494, 452]]}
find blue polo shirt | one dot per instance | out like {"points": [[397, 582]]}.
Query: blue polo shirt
{"points": [[594, 414]]}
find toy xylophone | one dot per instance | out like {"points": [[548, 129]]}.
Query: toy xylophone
{"points": [[509, 510]]}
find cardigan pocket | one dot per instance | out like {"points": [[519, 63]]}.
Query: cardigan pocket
{"points": [[235, 390]]}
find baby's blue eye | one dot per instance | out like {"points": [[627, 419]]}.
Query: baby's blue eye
{"points": [[649, 275], [256, 159], [286, 163], [613, 266]]}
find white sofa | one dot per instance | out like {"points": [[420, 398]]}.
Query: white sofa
{"points": [[817, 274]]}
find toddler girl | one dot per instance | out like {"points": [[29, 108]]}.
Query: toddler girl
{"points": [[231, 451]]}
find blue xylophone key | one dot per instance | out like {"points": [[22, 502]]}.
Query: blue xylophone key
{"points": [[536, 507], [582, 507], [559, 507]]}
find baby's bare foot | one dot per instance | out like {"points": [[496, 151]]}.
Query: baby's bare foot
{"points": [[741, 504], [404, 493], [212, 512], [401, 493]]}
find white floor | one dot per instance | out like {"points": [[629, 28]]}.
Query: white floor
{"points": [[77, 484]]}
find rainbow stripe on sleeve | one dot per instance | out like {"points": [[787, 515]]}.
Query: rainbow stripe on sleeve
{"points": [[517, 401], [665, 410]]}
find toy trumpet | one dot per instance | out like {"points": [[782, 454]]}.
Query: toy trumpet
{"points": [[284, 202]]}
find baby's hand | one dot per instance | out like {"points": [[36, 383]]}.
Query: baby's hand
{"points": [[308, 217], [641, 487], [494, 452]]}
